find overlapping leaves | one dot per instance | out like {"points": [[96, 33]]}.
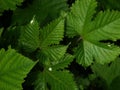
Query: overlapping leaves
{"points": [[105, 26]]}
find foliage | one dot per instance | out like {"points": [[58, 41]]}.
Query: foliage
{"points": [[56, 45]]}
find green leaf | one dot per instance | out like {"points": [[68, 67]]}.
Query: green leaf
{"points": [[107, 72], [53, 33], [44, 10], [13, 69], [58, 80], [63, 62], [9, 4], [80, 15], [102, 53], [105, 26], [55, 52], [29, 38]]}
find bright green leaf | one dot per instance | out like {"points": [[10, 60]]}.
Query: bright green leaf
{"points": [[53, 33], [102, 53], [106, 26], [13, 69], [80, 15]]}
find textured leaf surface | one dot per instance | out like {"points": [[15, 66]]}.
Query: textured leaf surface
{"points": [[13, 69], [107, 72], [87, 51], [55, 52], [44, 10], [106, 26], [80, 15], [29, 38], [9, 4], [53, 33], [63, 62], [58, 80]]}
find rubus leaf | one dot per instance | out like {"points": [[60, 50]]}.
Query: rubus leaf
{"points": [[29, 36], [81, 14], [9, 4], [52, 33], [44, 11], [13, 69], [57, 80], [102, 53], [63, 62], [105, 26], [107, 72], [55, 52]]}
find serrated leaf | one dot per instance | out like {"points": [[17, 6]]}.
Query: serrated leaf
{"points": [[9, 4], [53, 33], [107, 72], [80, 15], [55, 52], [29, 37], [60, 80], [87, 51], [44, 11], [13, 69], [57, 80], [63, 62], [105, 26]]}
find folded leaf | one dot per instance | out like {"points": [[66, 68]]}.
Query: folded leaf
{"points": [[13, 69]]}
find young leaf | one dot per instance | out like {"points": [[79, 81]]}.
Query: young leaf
{"points": [[91, 31], [29, 38], [44, 10], [13, 69], [52, 33], [57, 80], [9, 4], [109, 73]]}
